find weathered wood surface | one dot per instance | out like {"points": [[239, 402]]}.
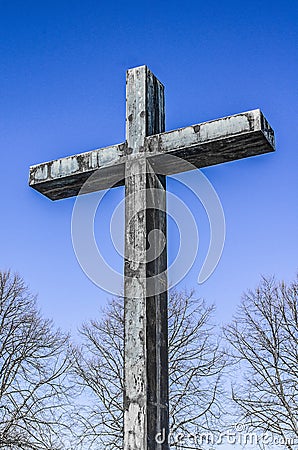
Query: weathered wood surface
{"points": [[145, 306], [214, 142]]}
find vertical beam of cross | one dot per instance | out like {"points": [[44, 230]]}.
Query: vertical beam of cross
{"points": [[146, 354]]}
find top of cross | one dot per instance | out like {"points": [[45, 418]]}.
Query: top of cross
{"points": [[214, 142]]}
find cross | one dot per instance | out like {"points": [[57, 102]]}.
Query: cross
{"points": [[138, 164]]}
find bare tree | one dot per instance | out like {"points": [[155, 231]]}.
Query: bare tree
{"points": [[195, 367], [264, 337], [33, 371]]}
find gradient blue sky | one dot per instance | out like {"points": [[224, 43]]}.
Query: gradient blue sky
{"points": [[62, 91]]}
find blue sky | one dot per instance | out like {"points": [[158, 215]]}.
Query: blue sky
{"points": [[62, 91]]}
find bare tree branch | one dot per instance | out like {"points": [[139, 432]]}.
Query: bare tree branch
{"points": [[264, 337], [34, 365]]}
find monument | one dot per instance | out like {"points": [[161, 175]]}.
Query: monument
{"points": [[140, 164]]}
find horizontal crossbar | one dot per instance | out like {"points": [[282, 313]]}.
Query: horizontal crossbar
{"points": [[222, 140]]}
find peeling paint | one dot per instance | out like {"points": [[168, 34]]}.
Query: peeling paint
{"points": [[41, 173], [64, 167]]}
